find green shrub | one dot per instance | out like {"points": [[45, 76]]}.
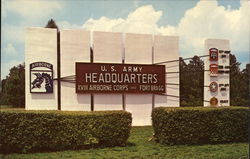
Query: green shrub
{"points": [[204, 125], [38, 131]]}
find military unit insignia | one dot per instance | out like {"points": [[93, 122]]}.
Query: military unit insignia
{"points": [[213, 54], [214, 70], [213, 101], [213, 86], [41, 77]]}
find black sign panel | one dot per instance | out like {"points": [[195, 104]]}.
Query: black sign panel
{"points": [[119, 78]]}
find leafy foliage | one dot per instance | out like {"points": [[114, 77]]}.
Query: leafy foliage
{"points": [[13, 87], [191, 82], [173, 126], [239, 84], [32, 131]]}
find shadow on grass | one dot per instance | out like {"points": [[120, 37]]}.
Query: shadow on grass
{"points": [[84, 147]]}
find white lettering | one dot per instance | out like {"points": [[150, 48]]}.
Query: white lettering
{"points": [[113, 69], [87, 76], [114, 77], [101, 78], [126, 79], [103, 68], [144, 78], [94, 76], [132, 76], [124, 69], [155, 79], [140, 68]]}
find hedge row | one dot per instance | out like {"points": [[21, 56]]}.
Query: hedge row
{"points": [[174, 126], [38, 131]]}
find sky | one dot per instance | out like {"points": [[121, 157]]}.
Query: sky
{"points": [[192, 20]]}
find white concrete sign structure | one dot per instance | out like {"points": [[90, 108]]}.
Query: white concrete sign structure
{"points": [[167, 47], [138, 49], [107, 48], [74, 47], [77, 45], [40, 46], [216, 75]]}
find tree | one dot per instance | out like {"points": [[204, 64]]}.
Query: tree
{"points": [[13, 87], [246, 86], [52, 24], [191, 82], [3, 100], [239, 81]]}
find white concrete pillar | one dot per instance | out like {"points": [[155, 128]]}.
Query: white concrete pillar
{"points": [[223, 78], [107, 48], [75, 47], [138, 50], [40, 46], [166, 48]]}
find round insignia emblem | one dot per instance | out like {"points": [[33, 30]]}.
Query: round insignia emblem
{"points": [[213, 101], [213, 86]]}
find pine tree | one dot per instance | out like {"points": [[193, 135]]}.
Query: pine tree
{"points": [[52, 24]]}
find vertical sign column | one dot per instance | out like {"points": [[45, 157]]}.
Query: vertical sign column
{"points": [[107, 48], [75, 47], [40, 46], [138, 50], [216, 78], [166, 48]]}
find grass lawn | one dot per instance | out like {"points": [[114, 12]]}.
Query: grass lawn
{"points": [[140, 147]]}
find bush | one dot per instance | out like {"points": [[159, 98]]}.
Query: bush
{"points": [[202, 125], [33, 131]]}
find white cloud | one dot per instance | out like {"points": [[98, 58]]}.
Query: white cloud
{"points": [[142, 20], [10, 50], [104, 24], [32, 8], [6, 66], [67, 25], [206, 20], [167, 30]]}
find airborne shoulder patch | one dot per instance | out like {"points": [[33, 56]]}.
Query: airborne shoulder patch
{"points": [[41, 77]]}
